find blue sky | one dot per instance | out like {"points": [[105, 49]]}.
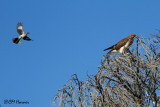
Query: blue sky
{"points": [[69, 37]]}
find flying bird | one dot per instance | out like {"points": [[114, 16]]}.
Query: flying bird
{"points": [[123, 45], [21, 33]]}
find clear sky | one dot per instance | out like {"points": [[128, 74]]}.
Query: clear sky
{"points": [[69, 37]]}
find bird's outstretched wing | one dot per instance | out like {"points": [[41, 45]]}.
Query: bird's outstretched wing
{"points": [[20, 29], [27, 38], [16, 40]]}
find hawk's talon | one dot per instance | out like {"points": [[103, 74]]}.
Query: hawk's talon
{"points": [[128, 53]]}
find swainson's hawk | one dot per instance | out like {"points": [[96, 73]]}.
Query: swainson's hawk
{"points": [[123, 45], [21, 33]]}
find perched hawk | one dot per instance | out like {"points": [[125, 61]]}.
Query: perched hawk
{"points": [[21, 33], [123, 45]]}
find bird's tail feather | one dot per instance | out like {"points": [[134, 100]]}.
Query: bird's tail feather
{"points": [[16, 40], [109, 48]]}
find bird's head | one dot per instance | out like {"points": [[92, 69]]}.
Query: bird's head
{"points": [[132, 36]]}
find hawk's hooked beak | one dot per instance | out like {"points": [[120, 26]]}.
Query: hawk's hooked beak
{"points": [[136, 37]]}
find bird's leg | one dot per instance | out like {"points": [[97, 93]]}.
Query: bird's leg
{"points": [[129, 52], [123, 53]]}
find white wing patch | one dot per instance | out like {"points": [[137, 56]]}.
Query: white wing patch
{"points": [[22, 36], [121, 50], [20, 27]]}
